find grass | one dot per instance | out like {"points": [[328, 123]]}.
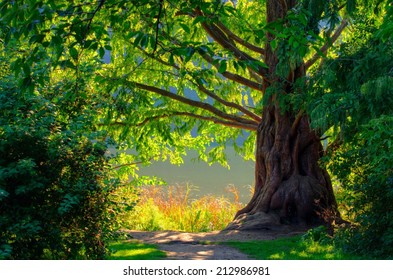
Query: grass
{"points": [[133, 250], [172, 208], [292, 248]]}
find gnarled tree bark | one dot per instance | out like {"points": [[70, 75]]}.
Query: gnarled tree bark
{"points": [[290, 186]]}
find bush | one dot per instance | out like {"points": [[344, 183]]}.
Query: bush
{"points": [[365, 169], [55, 182]]}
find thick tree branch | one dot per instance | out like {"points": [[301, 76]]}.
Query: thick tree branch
{"points": [[223, 39], [229, 75], [234, 77], [252, 127], [208, 92], [241, 41], [327, 45], [220, 37], [197, 104], [216, 120], [228, 103]]}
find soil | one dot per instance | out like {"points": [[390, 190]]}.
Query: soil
{"points": [[205, 245]]}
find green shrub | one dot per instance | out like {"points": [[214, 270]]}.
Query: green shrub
{"points": [[55, 181], [365, 168]]}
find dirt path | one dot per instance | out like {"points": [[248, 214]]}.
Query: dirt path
{"points": [[198, 246]]}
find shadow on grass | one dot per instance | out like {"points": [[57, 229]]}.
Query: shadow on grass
{"points": [[133, 250], [292, 248]]}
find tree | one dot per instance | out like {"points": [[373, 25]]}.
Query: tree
{"points": [[219, 67]]}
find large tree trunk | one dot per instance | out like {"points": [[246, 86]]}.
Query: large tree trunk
{"points": [[290, 186]]}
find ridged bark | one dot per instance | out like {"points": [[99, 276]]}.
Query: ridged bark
{"points": [[290, 186]]}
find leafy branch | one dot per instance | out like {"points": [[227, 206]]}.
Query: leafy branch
{"points": [[231, 76], [235, 120], [216, 120], [323, 50], [241, 41]]}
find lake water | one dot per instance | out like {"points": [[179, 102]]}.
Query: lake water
{"points": [[213, 179]]}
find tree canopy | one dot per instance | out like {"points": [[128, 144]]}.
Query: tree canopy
{"points": [[170, 67]]}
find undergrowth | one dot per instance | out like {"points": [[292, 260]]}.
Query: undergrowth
{"points": [[173, 208]]}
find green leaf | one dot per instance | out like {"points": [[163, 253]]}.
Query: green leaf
{"points": [[273, 44], [94, 46], [189, 53], [138, 38], [256, 64], [171, 59], [319, 51], [127, 25], [74, 53], [185, 27], [223, 66], [64, 64], [351, 6], [144, 41], [37, 38], [3, 194], [101, 52], [27, 84], [26, 69], [236, 65], [198, 19]]}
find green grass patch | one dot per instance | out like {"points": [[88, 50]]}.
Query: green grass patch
{"points": [[292, 248], [133, 250]]}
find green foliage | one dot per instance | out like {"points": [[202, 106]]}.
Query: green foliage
{"points": [[355, 86], [169, 83], [354, 100], [132, 250], [56, 185], [166, 47], [365, 169], [386, 31], [292, 248], [318, 234], [294, 38]]}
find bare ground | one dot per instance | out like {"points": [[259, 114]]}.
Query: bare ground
{"points": [[203, 246]]}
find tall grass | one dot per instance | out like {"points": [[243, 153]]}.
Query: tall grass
{"points": [[172, 208]]}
